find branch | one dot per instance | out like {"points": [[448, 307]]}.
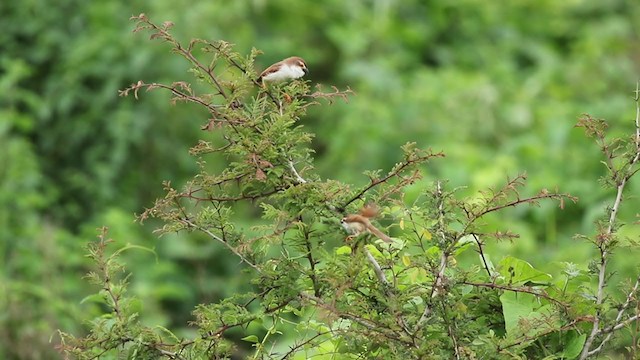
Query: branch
{"points": [[303, 343], [189, 195], [376, 268], [312, 261], [396, 171], [369, 324], [604, 250], [163, 33], [297, 176], [617, 323], [546, 332], [437, 283], [542, 195], [219, 239], [520, 289], [387, 289], [481, 252]]}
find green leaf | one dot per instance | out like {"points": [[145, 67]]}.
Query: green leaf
{"points": [[525, 308], [97, 298], [575, 341], [433, 252], [343, 250], [515, 307], [251, 338], [516, 271], [374, 251]]}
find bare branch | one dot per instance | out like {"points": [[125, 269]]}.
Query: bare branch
{"points": [[376, 268], [395, 172], [603, 245], [219, 239], [295, 173]]}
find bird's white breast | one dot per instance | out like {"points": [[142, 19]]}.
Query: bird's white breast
{"points": [[285, 72]]}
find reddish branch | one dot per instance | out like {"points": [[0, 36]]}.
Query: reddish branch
{"points": [[395, 172], [519, 289]]}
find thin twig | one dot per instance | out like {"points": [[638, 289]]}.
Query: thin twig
{"points": [[312, 261], [391, 174], [369, 324], [617, 323], [604, 251], [609, 331], [434, 291], [303, 343], [219, 239], [482, 256], [519, 289], [299, 178], [525, 339], [376, 267]]}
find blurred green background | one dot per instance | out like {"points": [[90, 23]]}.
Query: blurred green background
{"points": [[496, 85]]}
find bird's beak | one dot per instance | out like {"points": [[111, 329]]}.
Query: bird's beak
{"points": [[306, 71]]}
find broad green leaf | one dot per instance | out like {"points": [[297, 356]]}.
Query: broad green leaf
{"points": [[516, 306], [575, 341], [516, 271], [406, 260]]}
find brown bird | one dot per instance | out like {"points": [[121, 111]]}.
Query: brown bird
{"points": [[356, 224], [288, 69]]}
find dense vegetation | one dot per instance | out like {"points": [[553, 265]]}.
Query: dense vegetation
{"points": [[497, 87]]}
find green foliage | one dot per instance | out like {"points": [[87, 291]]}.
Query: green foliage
{"points": [[410, 298], [496, 86]]}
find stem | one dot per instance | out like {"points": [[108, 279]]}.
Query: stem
{"points": [[481, 252], [603, 245], [219, 239], [376, 268], [295, 173]]}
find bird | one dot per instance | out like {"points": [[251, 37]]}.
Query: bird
{"points": [[288, 69], [356, 224]]}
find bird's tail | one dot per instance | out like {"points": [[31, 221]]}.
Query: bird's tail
{"points": [[378, 233], [369, 211]]}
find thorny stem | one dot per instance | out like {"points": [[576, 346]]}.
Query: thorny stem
{"points": [[617, 323], [518, 289], [376, 267], [407, 163], [295, 173], [603, 245], [369, 324], [481, 252], [312, 261], [525, 339], [295, 348], [219, 239], [437, 283]]}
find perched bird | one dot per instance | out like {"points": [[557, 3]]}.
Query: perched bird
{"points": [[288, 69], [356, 224]]}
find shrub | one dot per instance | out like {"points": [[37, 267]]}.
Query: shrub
{"points": [[317, 293]]}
